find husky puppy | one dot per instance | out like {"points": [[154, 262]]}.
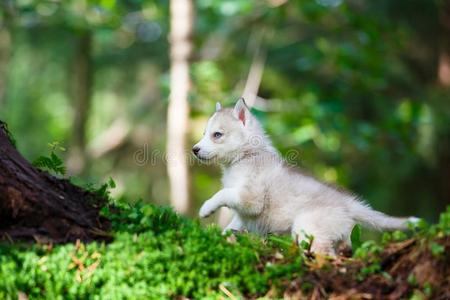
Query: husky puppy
{"points": [[268, 196]]}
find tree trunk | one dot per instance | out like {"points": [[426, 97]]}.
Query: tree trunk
{"points": [[181, 22], [443, 150], [37, 206], [82, 94], [5, 49], [444, 52]]}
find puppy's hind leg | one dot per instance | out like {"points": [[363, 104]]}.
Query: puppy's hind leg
{"points": [[306, 225]]}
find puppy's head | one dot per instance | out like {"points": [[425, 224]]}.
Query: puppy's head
{"points": [[228, 133]]}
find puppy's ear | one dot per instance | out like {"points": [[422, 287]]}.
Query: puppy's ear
{"points": [[241, 111], [218, 106]]}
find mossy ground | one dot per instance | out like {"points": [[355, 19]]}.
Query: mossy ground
{"points": [[156, 254]]}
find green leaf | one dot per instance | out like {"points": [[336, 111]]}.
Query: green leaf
{"points": [[355, 237], [111, 183], [51, 163], [436, 249]]}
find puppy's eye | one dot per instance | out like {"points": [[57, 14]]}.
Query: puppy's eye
{"points": [[217, 134]]}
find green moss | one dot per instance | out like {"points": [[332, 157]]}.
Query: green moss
{"points": [[156, 254]]}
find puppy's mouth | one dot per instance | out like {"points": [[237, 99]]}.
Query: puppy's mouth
{"points": [[205, 158]]}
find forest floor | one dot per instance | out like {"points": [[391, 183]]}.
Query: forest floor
{"points": [[406, 269], [154, 253]]}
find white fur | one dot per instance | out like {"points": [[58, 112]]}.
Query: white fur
{"points": [[268, 196]]}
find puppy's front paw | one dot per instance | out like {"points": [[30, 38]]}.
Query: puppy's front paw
{"points": [[207, 209]]}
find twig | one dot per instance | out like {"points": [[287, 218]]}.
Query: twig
{"points": [[227, 292]]}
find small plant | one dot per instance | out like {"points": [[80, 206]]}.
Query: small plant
{"points": [[394, 236], [436, 249], [53, 162], [368, 252], [355, 237], [443, 227], [306, 243], [104, 190]]}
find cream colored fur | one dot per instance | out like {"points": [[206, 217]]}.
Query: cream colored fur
{"points": [[268, 196]]}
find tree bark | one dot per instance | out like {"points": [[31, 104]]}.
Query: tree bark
{"points": [[35, 205], [82, 94], [181, 21]]}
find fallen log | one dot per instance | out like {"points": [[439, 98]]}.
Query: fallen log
{"points": [[37, 206]]}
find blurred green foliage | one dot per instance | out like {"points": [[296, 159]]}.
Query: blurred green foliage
{"points": [[350, 85]]}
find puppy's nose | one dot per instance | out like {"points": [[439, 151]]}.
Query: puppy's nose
{"points": [[195, 150]]}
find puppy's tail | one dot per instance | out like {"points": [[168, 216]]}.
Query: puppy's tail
{"points": [[363, 214]]}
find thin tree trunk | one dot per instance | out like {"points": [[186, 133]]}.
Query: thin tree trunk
{"points": [[82, 94], [181, 22], [37, 206], [5, 49], [256, 71], [443, 151], [444, 52]]}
